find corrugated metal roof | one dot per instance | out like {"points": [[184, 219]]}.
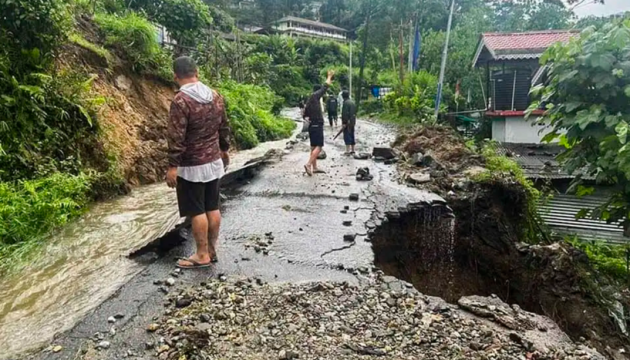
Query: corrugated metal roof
{"points": [[520, 46], [539, 160], [559, 214]]}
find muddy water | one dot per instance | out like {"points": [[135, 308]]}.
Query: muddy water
{"points": [[86, 262]]}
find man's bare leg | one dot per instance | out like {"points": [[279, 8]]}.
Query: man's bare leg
{"points": [[313, 160], [200, 233], [214, 226]]}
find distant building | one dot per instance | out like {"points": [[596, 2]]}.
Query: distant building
{"points": [[512, 68], [294, 26]]}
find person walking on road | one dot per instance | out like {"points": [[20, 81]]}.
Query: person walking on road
{"points": [[198, 144], [333, 107], [313, 112], [348, 121]]}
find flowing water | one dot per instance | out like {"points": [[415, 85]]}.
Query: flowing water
{"points": [[86, 262]]}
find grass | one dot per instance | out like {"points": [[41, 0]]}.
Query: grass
{"points": [[134, 38], [78, 39]]}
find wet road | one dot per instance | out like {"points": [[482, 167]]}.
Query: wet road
{"points": [[304, 215]]}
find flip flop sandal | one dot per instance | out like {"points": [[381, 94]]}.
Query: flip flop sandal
{"points": [[319, 171], [195, 265], [308, 170], [215, 259]]}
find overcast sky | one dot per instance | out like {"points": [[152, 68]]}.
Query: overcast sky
{"points": [[610, 7]]}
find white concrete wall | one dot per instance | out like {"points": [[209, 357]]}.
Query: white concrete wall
{"points": [[518, 130], [498, 130]]}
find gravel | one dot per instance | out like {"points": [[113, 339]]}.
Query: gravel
{"points": [[239, 319]]}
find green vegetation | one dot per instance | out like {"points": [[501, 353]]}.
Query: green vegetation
{"points": [[250, 109], [587, 102], [78, 39], [29, 209], [133, 37], [608, 259]]}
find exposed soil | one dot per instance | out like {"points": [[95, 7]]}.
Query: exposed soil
{"points": [[134, 116], [481, 253]]}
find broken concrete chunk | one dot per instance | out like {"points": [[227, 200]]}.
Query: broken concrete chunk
{"points": [[383, 152], [420, 178], [354, 197], [362, 156], [347, 223]]}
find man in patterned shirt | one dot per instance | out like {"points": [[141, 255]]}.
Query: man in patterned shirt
{"points": [[198, 144]]}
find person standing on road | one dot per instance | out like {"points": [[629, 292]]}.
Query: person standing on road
{"points": [[198, 144], [348, 121], [332, 106], [313, 112]]}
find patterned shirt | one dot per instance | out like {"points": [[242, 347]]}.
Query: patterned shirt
{"points": [[197, 132]]}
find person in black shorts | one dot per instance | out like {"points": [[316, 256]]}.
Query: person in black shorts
{"points": [[198, 144], [332, 106], [313, 112]]}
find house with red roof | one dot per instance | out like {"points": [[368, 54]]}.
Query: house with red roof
{"points": [[512, 63]]}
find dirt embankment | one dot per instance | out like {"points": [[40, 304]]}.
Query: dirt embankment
{"points": [[484, 251], [133, 117]]}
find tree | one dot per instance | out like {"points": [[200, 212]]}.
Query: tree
{"points": [[588, 109]]}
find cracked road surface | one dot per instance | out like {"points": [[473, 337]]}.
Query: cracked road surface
{"points": [[307, 218]]}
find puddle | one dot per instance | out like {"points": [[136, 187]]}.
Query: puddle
{"points": [[87, 261]]}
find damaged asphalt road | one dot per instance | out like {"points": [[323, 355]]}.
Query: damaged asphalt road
{"points": [[307, 217], [297, 280]]}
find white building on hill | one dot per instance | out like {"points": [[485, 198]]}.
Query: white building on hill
{"points": [[294, 26]]}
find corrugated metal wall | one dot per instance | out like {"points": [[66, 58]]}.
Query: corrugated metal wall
{"points": [[559, 214]]}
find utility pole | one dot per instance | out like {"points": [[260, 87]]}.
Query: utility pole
{"points": [[438, 98], [365, 43], [400, 51], [350, 89]]}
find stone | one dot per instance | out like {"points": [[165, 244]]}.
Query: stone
{"points": [[123, 83], [347, 223], [362, 156], [149, 345], [163, 348], [183, 302], [111, 319], [420, 178], [354, 197], [103, 345], [119, 316], [57, 348], [349, 237], [153, 327], [170, 281], [417, 159], [384, 153]]}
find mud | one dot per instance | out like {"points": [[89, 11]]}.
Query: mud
{"points": [[480, 253]]}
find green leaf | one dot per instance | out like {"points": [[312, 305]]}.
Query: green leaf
{"points": [[622, 131]]}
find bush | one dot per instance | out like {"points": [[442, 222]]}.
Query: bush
{"points": [[609, 259], [184, 19], [135, 40], [414, 98], [31, 209], [46, 124], [250, 110], [37, 26]]}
